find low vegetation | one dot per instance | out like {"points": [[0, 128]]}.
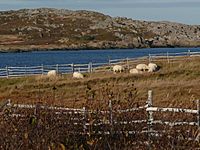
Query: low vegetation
{"points": [[176, 84]]}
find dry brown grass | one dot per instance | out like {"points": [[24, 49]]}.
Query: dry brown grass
{"points": [[175, 84]]}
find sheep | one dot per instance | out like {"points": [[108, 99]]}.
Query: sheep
{"points": [[134, 71], [118, 68], [142, 67], [152, 67], [78, 75], [52, 73]]}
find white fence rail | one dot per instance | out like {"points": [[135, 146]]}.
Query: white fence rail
{"points": [[154, 109], [43, 69], [149, 109]]}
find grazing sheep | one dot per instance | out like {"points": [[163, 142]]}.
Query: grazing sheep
{"points": [[152, 67], [118, 68], [52, 73], [78, 75], [134, 71], [142, 67]]}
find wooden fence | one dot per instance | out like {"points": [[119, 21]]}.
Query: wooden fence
{"points": [[80, 118], [91, 67], [44, 69], [149, 109]]}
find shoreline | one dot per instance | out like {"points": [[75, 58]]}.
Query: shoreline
{"points": [[28, 49]]}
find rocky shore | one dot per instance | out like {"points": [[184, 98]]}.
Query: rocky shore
{"points": [[51, 29]]}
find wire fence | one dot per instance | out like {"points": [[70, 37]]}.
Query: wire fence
{"points": [[148, 109], [10, 71], [111, 121]]}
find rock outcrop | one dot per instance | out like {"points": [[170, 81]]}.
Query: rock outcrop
{"points": [[33, 29]]}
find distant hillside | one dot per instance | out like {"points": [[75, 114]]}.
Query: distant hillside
{"points": [[32, 29]]}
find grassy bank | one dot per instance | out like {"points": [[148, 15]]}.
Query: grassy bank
{"points": [[176, 83]]}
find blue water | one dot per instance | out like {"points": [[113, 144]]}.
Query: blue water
{"points": [[81, 56]]}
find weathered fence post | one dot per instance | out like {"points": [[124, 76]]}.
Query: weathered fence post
{"points": [[198, 120], [127, 62], [4, 104], [57, 68], [84, 120], [110, 109], [109, 63], [9, 102], [36, 109], [149, 118], [198, 113], [7, 72], [72, 65], [111, 116], [42, 68], [149, 58], [90, 67], [167, 57], [188, 52]]}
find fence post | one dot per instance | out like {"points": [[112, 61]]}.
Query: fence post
{"points": [[84, 120], [198, 115], [149, 58], [72, 65], [57, 68], [127, 62], [7, 72], [5, 104], [9, 102], [110, 109], [42, 69], [36, 110], [188, 52], [149, 117], [90, 67], [109, 63], [111, 116], [198, 120], [167, 57]]}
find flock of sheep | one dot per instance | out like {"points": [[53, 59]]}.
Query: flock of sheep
{"points": [[140, 68], [54, 73]]}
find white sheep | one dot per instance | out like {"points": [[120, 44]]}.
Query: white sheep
{"points": [[152, 67], [142, 67], [52, 73], [78, 75], [118, 68], [134, 71]]}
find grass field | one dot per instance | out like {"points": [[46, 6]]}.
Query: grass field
{"points": [[176, 84]]}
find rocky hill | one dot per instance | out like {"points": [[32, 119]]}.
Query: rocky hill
{"points": [[46, 29]]}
